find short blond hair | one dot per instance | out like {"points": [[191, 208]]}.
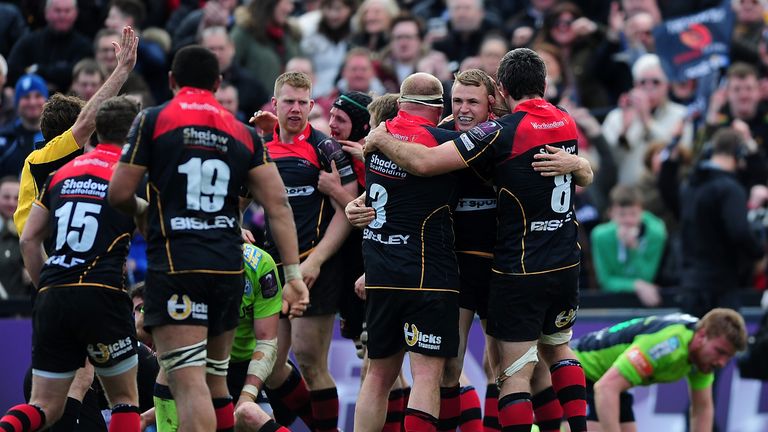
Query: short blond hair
{"points": [[298, 80], [383, 108], [727, 323]]}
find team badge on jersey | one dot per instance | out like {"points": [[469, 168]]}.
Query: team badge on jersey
{"points": [[484, 130], [268, 284], [640, 362], [664, 348]]}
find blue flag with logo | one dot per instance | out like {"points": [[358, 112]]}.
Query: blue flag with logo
{"points": [[697, 45]]}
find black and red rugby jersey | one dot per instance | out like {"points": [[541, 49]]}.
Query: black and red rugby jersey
{"points": [[89, 239], [536, 221], [474, 217], [409, 245], [299, 163], [198, 156]]}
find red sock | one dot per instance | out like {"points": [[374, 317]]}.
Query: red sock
{"points": [[419, 421], [569, 383], [406, 396], [271, 426], [471, 419], [291, 399], [394, 411], [516, 412], [17, 417], [325, 409], [547, 410], [491, 416], [225, 414], [450, 408], [125, 418]]}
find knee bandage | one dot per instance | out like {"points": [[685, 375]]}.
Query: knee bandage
{"points": [[216, 367], [262, 362], [530, 356], [558, 338], [190, 355]]}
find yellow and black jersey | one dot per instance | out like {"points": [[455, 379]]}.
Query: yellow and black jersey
{"points": [[89, 239], [536, 220], [410, 243], [198, 157], [299, 163], [37, 166]]}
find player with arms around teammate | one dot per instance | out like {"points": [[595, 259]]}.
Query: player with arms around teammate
{"points": [[197, 156], [81, 310], [657, 349], [534, 291]]}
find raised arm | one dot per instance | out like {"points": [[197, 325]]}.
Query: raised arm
{"points": [[416, 159], [126, 60]]}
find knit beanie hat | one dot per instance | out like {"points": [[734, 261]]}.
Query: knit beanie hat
{"points": [[27, 84], [355, 104]]}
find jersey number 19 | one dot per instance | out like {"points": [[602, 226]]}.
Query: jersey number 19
{"points": [[207, 184]]}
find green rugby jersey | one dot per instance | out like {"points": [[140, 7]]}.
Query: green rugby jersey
{"points": [[644, 350], [262, 297]]}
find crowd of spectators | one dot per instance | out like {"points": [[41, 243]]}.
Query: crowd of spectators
{"points": [[640, 129]]}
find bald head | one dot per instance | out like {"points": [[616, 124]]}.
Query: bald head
{"points": [[422, 94]]}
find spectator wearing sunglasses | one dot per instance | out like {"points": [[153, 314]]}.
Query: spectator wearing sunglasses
{"points": [[645, 114]]}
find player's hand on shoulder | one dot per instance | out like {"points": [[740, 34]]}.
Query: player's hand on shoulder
{"points": [[263, 120], [375, 136], [358, 214], [354, 148], [295, 298], [554, 162]]}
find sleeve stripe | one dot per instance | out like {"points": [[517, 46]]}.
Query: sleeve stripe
{"points": [[138, 138]]}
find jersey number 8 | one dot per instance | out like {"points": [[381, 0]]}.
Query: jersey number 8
{"points": [[561, 194], [207, 184]]}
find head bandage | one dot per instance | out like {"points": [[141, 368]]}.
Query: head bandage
{"points": [[434, 100]]}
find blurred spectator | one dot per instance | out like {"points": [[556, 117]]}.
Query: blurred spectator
{"points": [[265, 40], [557, 81], [357, 74], [595, 77], [52, 51], [492, 49], [152, 58], [675, 8], [372, 22], [467, 25], [215, 13], [645, 114], [18, 138], [228, 96], [105, 57], [525, 25], [405, 49], [251, 93], [327, 44], [632, 7], [14, 281], [638, 37], [436, 64], [739, 99], [718, 248], [747, 31], [627, 250], [12, 27], [87, 77], [7, 111]]}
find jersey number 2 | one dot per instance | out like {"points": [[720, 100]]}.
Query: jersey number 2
{"points": [[207, 184], [77, 230], [561, 194]]}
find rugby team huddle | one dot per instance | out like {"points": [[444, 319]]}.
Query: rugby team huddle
{"points": [[431, 220]]}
